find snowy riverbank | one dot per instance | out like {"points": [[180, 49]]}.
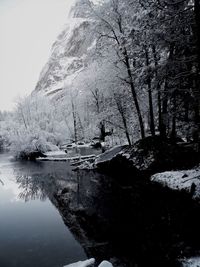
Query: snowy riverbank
{"points": [[188, 180], [149, 156], [191, 262]]}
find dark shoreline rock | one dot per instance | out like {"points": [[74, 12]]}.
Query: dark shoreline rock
{"points": [[147, 157]]}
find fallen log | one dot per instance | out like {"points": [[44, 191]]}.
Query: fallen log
{"points": [[77, 158]]}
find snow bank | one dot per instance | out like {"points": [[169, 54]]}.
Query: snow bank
{"points": [[188, 180]]}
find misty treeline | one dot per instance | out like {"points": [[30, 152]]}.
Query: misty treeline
{"points": [[142, 78]]}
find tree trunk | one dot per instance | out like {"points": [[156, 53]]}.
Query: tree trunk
{"points": [[102, 132], [151, 112], [126, 128], [197, 21], [158, 88], [122, 113], [197, 89], [186, 108], [165, 97], [75, 122], [173, 132], [134, 94], [133, 91], [163, 129]]}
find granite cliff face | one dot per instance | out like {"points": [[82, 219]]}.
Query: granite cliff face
{"points": [[71, 53]]}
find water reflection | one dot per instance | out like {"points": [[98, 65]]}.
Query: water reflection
{"points": [[32, 232], [34, 187], [40, 180], [138, 225]]}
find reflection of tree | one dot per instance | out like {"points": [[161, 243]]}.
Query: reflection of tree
{"points": [[36, 186], [39, 181]]}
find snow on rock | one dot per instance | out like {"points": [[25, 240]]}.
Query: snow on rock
{"points": [[109, 155], [188, 180], [105, 264], [192, 262], [82, 263], [148, 156], [89, 263]]}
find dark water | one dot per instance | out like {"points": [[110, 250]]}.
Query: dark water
{"points": [[32, 232], [52, 216]]}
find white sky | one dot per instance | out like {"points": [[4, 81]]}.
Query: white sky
{"points": [[28, 28]]}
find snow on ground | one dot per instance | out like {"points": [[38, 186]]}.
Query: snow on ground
{"points": [[192, 262], [188, 180]]}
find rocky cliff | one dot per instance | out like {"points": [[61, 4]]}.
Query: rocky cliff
{"points": [[70, 53]]}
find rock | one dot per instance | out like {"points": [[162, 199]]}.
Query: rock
{"points": [[147, 156]]}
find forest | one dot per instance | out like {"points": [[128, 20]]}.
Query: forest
{"points": [[141, 78]]}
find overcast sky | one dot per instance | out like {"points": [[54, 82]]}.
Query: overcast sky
{"points": [[28, 29]]}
